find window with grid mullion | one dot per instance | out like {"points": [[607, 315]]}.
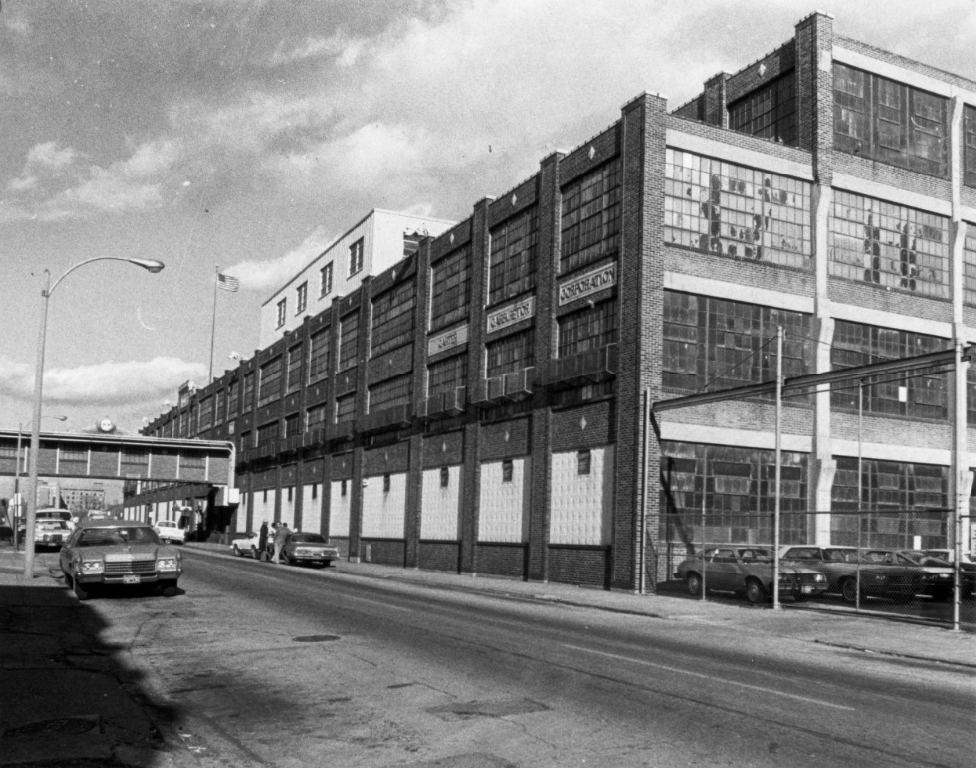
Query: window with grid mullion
{"points": [[591, 217], [392, 319], [294, 369], [589, 328], [513, 353], [514, 246], [269, 387], [346, 408], [447, 375], [389, 393], [450, 289], [349, 341], [320, 353]]}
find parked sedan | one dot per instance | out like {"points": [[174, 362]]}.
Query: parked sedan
{"points": [[169, 530], [125, 552], [847, 570], [967, 565], [47, 533], [929, 575], [308, 549], [747, 570]]}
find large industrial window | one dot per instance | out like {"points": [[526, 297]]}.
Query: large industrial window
{"points": [[268, 434], [320, 352], [734, 211], [591, 217], [269, 385], [315, 417], [233, 390], [282, 313], [293, 425], [881, 119], [734, 488], [888, 490], [768, 112], [513, 353], [514, 256], [356, 257], [349, 341], [450, 288], [218, 409], [389, 393], [969, 141], [889, 245], [206, 413], [446, 375], [294, 368], [346, 408], [917, 396], [589, 328], [714, 344], [392, 321]]}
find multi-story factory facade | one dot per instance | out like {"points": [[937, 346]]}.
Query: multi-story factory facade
{"points": [[483, 405]]}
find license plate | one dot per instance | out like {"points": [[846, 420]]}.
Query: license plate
{"points": [[131, 579]]}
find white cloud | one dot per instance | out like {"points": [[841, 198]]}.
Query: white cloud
{"points": [[263, 275], [339, 46], [106, 384], [49, 155]]}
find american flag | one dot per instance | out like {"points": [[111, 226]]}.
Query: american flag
{"points": [[228, 283]]}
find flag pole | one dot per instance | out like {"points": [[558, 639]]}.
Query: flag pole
{"points": [[213, 324]]}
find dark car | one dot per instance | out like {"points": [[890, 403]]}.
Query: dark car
{"points": [[747, 570], [967, 566], [929, 575], [308, 549], [847, 570], [124, 552]]}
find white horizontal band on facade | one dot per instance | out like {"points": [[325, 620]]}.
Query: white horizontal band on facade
{"points": [[742, 438], [706, 286], [900, 74], [890, 194], [732, 154], [909, 454], [893, 320]]}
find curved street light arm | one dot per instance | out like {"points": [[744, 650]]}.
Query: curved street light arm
{"points": [[150, 264]]}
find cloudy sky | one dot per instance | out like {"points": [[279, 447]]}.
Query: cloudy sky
{"points": [[251, 133]]}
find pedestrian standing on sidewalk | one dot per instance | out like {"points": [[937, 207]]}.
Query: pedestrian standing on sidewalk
{"points": [[279, 541], [263, 539]]}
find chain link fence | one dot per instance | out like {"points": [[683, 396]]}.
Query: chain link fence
{"points": [[883, 561]]}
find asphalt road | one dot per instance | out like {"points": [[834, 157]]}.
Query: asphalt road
{"points": [[264, 665]]}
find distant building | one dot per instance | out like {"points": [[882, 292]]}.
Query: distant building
{"points": [[81, 500], [374, 244]]}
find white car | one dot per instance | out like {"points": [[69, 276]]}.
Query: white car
{"points": [[55, 514], [245, 543], [168, 530]]}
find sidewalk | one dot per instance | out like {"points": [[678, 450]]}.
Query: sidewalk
{"points": [[813, 623]]}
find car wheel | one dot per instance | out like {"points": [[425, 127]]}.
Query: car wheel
{"points": [[254, 553], [168, 588], [237, 551], [80, 592], [848, 590], [755, 592], [694, 584], [285, 559]]}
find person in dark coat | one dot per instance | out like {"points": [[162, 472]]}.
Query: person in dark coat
{"points": [[279, 541], [263, 539]]}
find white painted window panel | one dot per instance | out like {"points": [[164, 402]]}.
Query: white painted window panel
{"points": [[440, 507], [503, 514], [582, 505], [311, 509], [384, 514], [341, 508]]}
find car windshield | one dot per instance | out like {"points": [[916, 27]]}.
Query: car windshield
{"points": [[841, 555], [52, 524], [308, 538], [107, 537], [54, 516], [166, 524]]}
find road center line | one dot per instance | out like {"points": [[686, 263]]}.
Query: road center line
{"points": [[713, 678]]}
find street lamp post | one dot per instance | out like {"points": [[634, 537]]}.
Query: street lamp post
{"points": [[18, 460], [152, 266]]}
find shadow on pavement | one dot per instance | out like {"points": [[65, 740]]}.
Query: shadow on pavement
{"points": [[67, 696]]}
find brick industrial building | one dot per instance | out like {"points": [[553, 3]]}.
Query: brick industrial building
{"points": [[484, 405]]}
